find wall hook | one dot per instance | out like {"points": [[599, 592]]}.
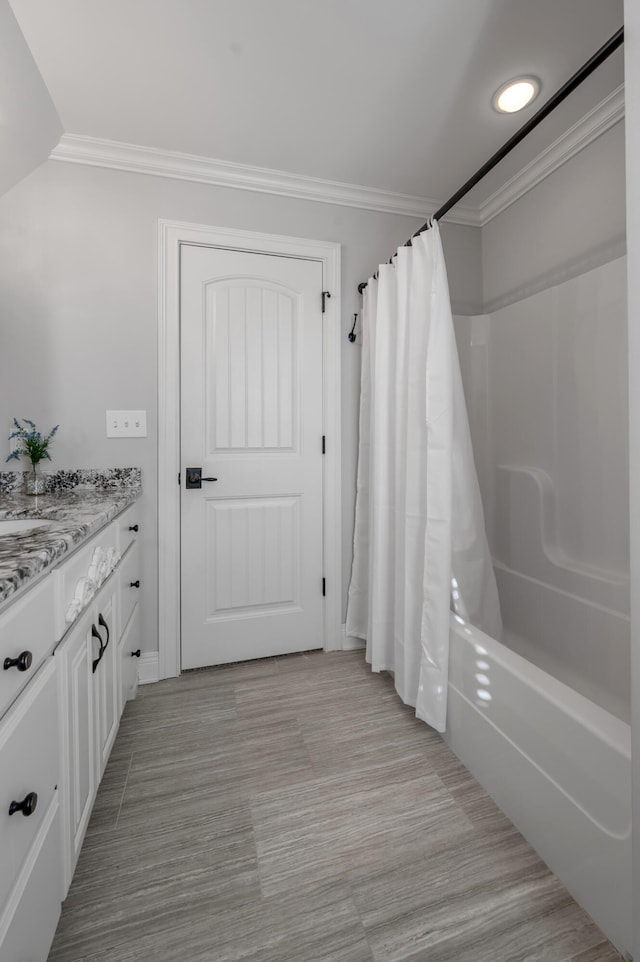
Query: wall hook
{"points": [[352, 333]]}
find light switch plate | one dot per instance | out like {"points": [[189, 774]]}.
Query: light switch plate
{"points": [[126, 424]]}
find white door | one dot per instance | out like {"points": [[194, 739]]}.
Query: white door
{"points": [[251, 417]]}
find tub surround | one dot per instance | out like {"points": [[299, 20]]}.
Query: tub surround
{"points": [[569, 618], [78, 503]]}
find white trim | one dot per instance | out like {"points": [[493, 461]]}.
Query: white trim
{"points": [[98, 152], [149, 668], [171, 235], [584, 132], [350, 642]]}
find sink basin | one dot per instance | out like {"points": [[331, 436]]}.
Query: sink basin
{"points": [[20, 525]]}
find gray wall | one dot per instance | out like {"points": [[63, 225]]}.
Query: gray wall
{"points": [[29, 123], [78, 283], [571, 222]]}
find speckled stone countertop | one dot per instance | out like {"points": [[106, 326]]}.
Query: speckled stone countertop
{"points": [[77, 511]]}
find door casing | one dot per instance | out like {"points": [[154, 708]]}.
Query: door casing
{"points": [[171, 235]]}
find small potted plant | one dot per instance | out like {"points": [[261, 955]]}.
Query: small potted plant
{"points": [[33, 446]]}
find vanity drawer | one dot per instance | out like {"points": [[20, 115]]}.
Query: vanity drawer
{"points": [[129, 649], [128, 526], [26, 626], [29, 764], [130, 584], [29, 924], [77, 580]]}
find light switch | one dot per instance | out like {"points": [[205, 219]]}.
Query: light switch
{"points": [[126, 424]]}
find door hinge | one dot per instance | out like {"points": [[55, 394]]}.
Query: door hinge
{"points": [[179, 476], [325, 294], [323, 444], [324, 587]]}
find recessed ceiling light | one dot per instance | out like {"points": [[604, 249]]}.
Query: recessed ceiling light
{"points": [[515, 95]]}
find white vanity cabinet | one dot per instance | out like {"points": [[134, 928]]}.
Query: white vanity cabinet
{"points": [[92, 677], [29, 777], [129, 591], [77, 739], [67, 666], [89, 696], [30, 876], [107, 713]]}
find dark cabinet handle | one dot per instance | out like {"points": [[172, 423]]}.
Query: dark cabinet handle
{"points": [[22, 662], [103, 644], [104, 625], [96, 634], [27, 806], [136, 653], [134, 584], [133, 527]]}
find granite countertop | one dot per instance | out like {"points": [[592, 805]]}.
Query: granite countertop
{"points": [[77, 511]]}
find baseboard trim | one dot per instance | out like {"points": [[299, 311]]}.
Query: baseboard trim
{"points": [[149, 668]]}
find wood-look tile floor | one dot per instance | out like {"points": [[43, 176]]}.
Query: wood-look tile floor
{"points": [[294, 810]]}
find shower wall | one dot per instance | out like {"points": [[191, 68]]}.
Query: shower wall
{"points": [[546, 387]]}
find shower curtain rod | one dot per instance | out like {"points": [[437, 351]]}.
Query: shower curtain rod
{"points": [[592, 64]]}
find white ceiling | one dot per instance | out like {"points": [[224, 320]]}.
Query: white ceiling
{"points": [[389, 94]]}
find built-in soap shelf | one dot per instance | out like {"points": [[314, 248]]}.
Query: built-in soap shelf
{"points": [[527, 542]]}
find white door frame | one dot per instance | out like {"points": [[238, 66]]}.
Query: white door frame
{"points": [[171, 235]]}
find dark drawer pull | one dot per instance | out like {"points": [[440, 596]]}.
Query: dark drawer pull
{"points": [[103, 645], [134, 584], [136, 653], [96, 634], [27, 806], [104, 625], [22, 662], [133, 527]]}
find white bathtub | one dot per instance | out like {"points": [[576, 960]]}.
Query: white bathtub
{"points": [[557, 764]]}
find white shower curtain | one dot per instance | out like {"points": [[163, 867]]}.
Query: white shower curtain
{"points": [[419, 529]]}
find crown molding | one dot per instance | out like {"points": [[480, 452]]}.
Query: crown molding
{"points": [[97, 152], [595, 123]]}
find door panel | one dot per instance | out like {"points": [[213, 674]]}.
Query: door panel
{"points": [[255, 563], [251, 409], [252, 361]]}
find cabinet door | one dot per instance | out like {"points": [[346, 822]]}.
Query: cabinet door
{"points": [[77, 653], [32, 924], [29, 773], [129, 649], [106, 686]]}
